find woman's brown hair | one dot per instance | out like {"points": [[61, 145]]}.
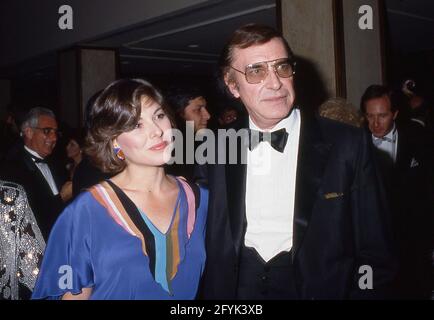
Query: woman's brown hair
{"points": [[117, 110]]}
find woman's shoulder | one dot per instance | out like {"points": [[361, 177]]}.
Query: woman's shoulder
{"points": [[82, 207]]}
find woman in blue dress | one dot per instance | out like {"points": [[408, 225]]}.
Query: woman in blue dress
{"points": [[139, 235]]}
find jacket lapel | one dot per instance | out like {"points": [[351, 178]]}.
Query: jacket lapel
{"points": [[31, 165], [236, 191], [312, 159], [402, 155]]}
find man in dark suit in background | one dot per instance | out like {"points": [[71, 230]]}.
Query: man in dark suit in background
{"points": [[404, 153], [43, 182], [302, 218]]}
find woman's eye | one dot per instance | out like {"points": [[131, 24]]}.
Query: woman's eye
{"points": [[161, 116], [139, 125]]}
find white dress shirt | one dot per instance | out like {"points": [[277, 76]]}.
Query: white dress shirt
{"points": [[45, 170], [270, 191], [388, 144]]}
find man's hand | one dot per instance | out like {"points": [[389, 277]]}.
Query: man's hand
{"points": [[66, 192]]}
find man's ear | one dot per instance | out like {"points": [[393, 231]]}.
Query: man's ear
{"points": [[28, 133], [231, 85]]}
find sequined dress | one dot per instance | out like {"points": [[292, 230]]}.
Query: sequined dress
{"points": [[21, 243]]}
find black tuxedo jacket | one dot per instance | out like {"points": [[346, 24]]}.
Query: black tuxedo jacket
{"points": [[410, 193], [340, 223], [45, 206], [411, 185]]}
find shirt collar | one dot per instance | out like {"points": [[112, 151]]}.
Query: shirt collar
{"points": [[33, 153], [288, 123]]}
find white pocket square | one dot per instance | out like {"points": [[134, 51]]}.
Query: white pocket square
{"points": [[414, 163]]}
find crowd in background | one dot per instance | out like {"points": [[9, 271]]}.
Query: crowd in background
{"points": [[68, 169]]}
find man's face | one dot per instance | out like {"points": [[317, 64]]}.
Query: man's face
{"points": [[38, 141], [271, 100], [380, 116], [196, 111]]}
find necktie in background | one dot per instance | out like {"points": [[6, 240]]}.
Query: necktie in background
{"points": [[379, 141]]}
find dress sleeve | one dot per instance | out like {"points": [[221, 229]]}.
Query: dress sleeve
{"points": [[67, 266], [31, 244]]}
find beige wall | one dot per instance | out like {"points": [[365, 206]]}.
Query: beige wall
{"points": [[363, 52], [98, 69], [83, 72], [308, 27], [338, 59]]}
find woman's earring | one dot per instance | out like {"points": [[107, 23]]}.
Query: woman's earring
{"points": [[118, 152]]}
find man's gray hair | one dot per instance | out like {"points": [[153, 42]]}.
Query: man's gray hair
{"points": [[32, 117]]}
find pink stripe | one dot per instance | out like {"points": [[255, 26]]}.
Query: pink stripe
{"points": [[191, 206], [110, 209]]}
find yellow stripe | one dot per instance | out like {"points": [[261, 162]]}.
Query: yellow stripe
{"points": [[174, 237]]}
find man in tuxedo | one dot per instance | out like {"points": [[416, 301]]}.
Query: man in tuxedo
{"points": [[404, 153], [191, 114], [302, 217], [43, 182]]}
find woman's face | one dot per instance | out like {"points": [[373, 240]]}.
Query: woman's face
{"points": [[150, 143], [72, 149]]}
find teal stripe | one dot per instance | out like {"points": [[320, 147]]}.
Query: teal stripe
{"points": [[160, 253]]}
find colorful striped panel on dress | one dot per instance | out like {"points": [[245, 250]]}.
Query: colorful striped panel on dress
{"points": [[105, 195], [164, 255], [191, 206], [167, 249]]}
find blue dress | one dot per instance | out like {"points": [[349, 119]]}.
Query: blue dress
{"points": [[103, 241]]}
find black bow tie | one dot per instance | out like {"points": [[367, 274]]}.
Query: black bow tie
{"points": [[277, 139], [39, 160]]}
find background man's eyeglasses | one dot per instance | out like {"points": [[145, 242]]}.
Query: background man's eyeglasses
{"points": [[258, 72], [48, 131]]}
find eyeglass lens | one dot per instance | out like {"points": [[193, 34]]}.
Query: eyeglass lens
{"points": [[259, 71], [48, 131]]}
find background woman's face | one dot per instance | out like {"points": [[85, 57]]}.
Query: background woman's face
{"points": [[72, 149]]}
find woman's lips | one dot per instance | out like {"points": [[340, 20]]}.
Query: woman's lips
{"points": [[159, 146]]}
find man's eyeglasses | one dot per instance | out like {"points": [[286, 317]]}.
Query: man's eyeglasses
{"points": [[258, 72], [48, 131]]}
